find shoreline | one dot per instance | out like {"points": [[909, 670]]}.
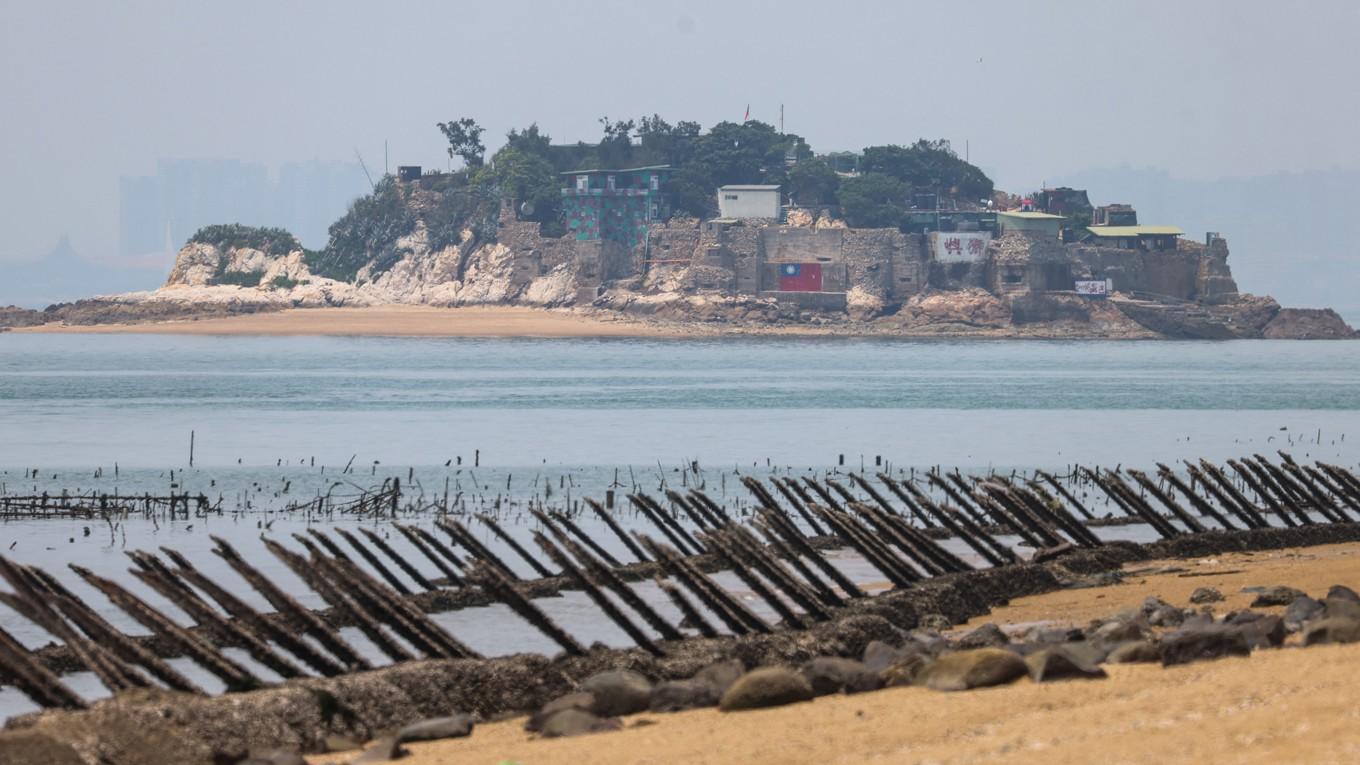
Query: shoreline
{"points": [[378, 321], [507, 321]]}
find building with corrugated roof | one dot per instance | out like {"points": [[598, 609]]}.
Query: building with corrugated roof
{"points": [[1030, 221], [1134, 237]]}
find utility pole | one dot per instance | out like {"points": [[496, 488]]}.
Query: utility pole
{"points": [[781, 118]]}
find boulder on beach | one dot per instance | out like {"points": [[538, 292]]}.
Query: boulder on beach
{"points": [[1277, 595], [1160, 613], [679, 695], [878, 656], [1205, 642], [766, 687], [435, 728], [830, 674], [1135, 652], [383, 750], [720, 676], [577, 722], [1203, 595], [1332, 630], [987, 636], [1062, 663], [1261, 630], [582, 700], [1340, 607], [1302, 609], [1120, 630], [1342, 592], [905, 670], [978, 668], [618, 692]]}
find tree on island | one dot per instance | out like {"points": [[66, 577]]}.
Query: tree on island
{"points": [[465, 140]]}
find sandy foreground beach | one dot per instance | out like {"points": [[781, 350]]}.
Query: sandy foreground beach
{"points": [[1294, 705], [394, 321]]}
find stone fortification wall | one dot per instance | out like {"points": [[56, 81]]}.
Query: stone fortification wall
{"points": [[1214, 281], [870, 256], [787, 244]]}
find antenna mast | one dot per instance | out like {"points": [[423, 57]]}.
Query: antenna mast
{"points": [[365, 167]]}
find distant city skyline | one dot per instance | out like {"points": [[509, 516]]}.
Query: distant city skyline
{"points": [[158, 213]]}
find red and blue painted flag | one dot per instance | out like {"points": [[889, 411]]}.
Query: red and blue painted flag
{"points": [[800, 277]]}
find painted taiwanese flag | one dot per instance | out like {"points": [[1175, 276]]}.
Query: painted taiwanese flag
{"points": [[800, 277]]}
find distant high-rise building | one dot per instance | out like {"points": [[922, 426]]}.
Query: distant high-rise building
{"points": [[158, 213]]}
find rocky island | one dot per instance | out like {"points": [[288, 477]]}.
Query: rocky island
{"points": [[741, 229]]}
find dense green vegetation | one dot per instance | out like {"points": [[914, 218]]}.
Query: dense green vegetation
{"points": [[240, 278], [274, 241], [529, 167]]}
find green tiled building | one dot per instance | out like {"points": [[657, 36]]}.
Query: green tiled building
{"points": [[615, 205]]}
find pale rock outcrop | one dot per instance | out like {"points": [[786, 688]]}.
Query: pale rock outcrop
{"points": [[970, 307], [863, 304], [553, 289], [196, 265]]}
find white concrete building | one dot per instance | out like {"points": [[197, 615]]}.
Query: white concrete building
{"points": [[748, 202]]}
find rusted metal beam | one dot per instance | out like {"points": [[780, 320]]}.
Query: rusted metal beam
{"points": [[1205, 509], [345, 601], [691, 613], [402, 563], [155, 575], [492, 580], [269, 629], [608, 518], [592, 590], [233, 675]]}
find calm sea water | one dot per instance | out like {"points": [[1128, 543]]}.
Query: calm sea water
{"points": [[276, 419], [88, 401]]}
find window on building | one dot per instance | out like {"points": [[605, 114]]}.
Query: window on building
{"points": [[730, 197], [609, 182], [656, 182], [583, 183]]}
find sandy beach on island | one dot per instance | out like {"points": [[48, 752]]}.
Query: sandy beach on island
{"points": [[393, 321], [1284, 705], [400, 320]]}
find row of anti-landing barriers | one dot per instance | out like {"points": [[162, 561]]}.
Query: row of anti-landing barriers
{"points": [[776, 551]]}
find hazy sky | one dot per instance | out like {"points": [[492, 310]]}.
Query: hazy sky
{"points": [[94, 90]]}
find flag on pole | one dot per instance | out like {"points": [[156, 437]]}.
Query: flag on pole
{"points": [[747, 118]]}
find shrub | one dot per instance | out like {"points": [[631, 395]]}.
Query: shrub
{"points": [[273, 241], [240, 278], [283, 282], [367, 233]]}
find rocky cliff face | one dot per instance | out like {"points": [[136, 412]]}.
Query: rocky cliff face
{"points": [[475, 273]]}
